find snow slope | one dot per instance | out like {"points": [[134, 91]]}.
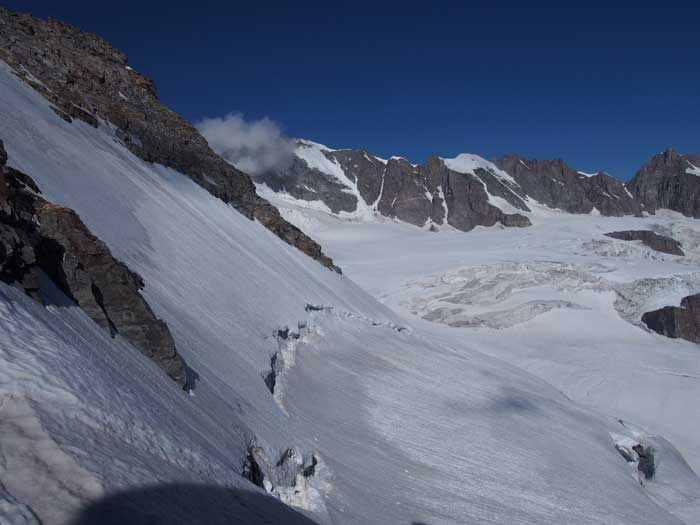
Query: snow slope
{"points": [[409, 423]]}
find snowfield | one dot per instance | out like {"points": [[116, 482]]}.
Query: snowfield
{"points": [[410, 420]]}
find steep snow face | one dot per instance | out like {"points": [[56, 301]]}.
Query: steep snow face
{"points": [[408, 423], [82, 414]]}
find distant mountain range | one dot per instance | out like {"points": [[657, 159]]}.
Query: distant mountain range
{"points": [[468, 191]]}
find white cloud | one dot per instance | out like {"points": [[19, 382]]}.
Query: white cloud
{"points": [[252, 146]]}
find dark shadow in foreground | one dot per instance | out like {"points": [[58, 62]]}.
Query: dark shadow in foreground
{"points": [[189, 504]]}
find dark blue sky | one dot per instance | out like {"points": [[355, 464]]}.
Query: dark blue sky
{"points": [[603, 86]]}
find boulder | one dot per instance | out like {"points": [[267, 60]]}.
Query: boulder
{"points": [[515, 220], [677, 322]]}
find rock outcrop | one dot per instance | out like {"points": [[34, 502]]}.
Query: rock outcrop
{"points": [[38, 236], [677, 322], [669, 180], [86, 78], [557, 185], [639, 455], [293, 478], [659, 243]]}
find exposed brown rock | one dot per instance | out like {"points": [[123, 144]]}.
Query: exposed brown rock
{"points": [[36, 235], [515, 220], [677, 322], [103, 286]]}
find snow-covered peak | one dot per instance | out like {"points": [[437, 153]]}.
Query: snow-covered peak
{"points": [[593, 174], [468, 163]]}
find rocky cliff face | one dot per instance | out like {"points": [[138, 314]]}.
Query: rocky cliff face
{"points": [[37, 236], [85, 78], [557, 185], [669, 180]]}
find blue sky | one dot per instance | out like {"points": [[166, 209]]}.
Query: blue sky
{"points": [[602, 85]]}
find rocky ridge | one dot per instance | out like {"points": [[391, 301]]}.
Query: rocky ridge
{"points": [[85, 78], [463, 192], [38, 238], [557, 185]]}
